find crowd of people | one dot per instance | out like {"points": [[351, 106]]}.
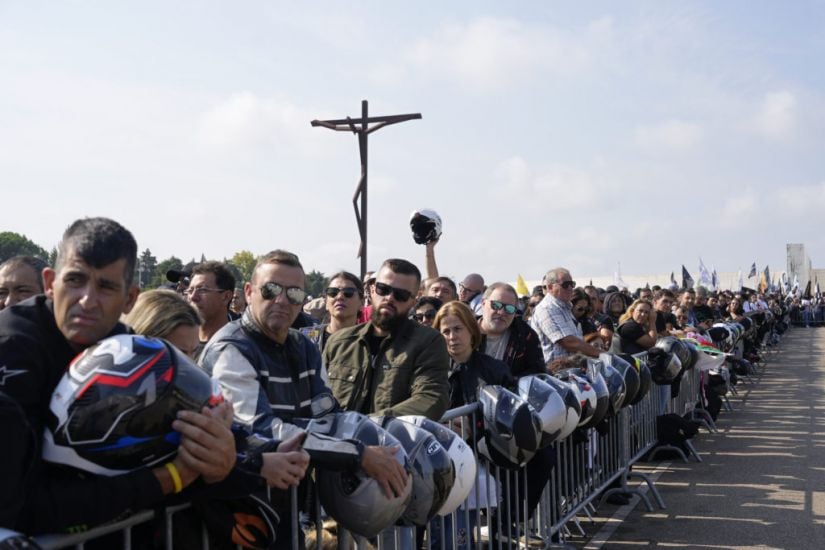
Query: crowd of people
{"points": [[392, 343]]}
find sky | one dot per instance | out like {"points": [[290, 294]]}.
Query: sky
{"points": [[645, 134]]}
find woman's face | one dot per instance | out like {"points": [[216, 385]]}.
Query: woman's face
{"points": [[580, 308], [340, 306], [424, 315], [457, 337], [616, 305], [641, 314], [185, 338]]}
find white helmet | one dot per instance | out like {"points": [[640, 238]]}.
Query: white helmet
{"points": [[425, 225], [464, 461], [549, 405], [572, 398], [353, 499], [432, 470]]}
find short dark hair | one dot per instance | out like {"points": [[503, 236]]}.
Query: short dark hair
{"points": [[428, 301], [32, 262], [351, 277], [403, 267], [99, 242], [224, 278], [447, 281]]}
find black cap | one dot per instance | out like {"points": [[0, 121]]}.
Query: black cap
{"points": [[175, 275]]}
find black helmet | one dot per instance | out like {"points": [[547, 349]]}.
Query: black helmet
{"points": [[629, 374], [645, 378], [664, 366], [693, 354], [425, 225], [718, 334], [746, 323], [572, 403], [113, 410], [675, 346], [512, 429], [548, 404], [432, 470], [353, 499], [615, 384]]}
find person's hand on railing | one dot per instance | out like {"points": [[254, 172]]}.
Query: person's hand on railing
{"points": [[207, 446], [380, 464], [288, 466]]}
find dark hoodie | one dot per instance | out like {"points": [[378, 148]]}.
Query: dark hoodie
{"points": [[606, 309]]}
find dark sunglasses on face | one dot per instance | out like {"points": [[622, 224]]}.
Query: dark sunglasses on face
{"points": [[567, 285], [347, 291], [294, 295], [509, 309], [400, 294], [429, 314]]}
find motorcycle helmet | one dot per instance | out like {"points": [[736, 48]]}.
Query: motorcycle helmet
{"points": [[693, 354], [645, 378], [112, 411], [572, 403], [673, 345], [587, 393], [664, 366], [425, 225], [353, 499], [432, 470], [512, 429], [719, 334], [629, 374], [746, 323], [616, 389], [596, 380], [547, 403], [461, 455]]}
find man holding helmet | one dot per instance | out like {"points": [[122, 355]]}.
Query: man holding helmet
{"points": [[85, 294]]}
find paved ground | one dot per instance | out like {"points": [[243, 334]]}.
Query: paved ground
{"points": [[762, 480]]}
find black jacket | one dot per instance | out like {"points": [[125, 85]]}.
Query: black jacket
{"points": [[479, 370], [33, 357], [523, 354]]}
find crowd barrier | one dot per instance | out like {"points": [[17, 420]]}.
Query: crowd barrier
{"points": [[586, 466]]}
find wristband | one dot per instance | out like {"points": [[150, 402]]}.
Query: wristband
{"points": [[175, 475]]}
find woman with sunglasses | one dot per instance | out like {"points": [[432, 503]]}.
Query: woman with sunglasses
{"points": [[344, 300], [425, 309]]}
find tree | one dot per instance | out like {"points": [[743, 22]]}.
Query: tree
{"points": [[14, 244], [245, 262], [316, 283], [145, 269], [160, 270], [53, 256]]}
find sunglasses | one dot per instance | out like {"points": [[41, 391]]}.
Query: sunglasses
{"points": [[567, 285], [509, 309], [429, 314], [347, 291], [400, 294], [294, 295]]}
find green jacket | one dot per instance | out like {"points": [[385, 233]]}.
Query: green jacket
{"points": [[409, 374]]}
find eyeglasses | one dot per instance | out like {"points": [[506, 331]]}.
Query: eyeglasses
{"points": [[400, 294], [295, 295], [463, 288], [567, 285], [347, 291], [509, 309], [429, 314], [201, 290]]}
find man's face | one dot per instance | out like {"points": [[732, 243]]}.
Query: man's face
{"points": [[274, 316], [469, 288], [646, 294], [388, 311], [208, 299], [688, 300], [88, 301], [17, 284], [563, 288], [496, 321], [595, 302], [701, 300], [664, 304], [442, 291]]}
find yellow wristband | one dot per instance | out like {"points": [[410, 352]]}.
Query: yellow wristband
{"points": [[175, 474]]}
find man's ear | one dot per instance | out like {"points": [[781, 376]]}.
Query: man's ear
{"points": [[49, 275], [247, 292], [131, 298]]}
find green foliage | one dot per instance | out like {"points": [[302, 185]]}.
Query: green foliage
{"points": [[245, 262], [161, 269], [316, 283], [145, 269], [14, 244]]}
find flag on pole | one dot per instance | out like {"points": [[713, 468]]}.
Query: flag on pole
{"points": [[752, 272], [817, 293], [704, 275], [673, 283], [763, 281], [714, 279], [795, 287], [687, 280], [521, 286], [807, 294]]}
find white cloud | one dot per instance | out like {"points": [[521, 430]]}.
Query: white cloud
{"points": [[797, 200], [776, 118], [555, 188], [490, 54], [737, 209], [672, 135]]}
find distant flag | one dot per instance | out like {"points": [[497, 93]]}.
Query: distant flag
{"points": [[687, 280], [591, 282], [817, 293], [764, 280], [704, 275], [795, 287], [521, 286], [807, 294], [617, 277], [752, 272], [739, 282], [714, 279]]}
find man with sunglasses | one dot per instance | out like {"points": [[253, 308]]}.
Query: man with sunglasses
{"points": [[470, 291], [553, 320], [211, 288], [392, 365]]}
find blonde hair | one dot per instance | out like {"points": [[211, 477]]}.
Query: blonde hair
{"points": [[465, 314], [627, 315], [158, 312]]}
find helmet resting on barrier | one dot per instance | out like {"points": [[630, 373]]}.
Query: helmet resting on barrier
{"points": [[461, 455], [693, 354], [675, 346], [432, 470], [353, 499], [594, 376], [572, 398], [664, 366], [425, 225], [512, 429], [645, 378], [614, 380], [112, 411], [587, 394], [548, 404], [629, 374]]}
